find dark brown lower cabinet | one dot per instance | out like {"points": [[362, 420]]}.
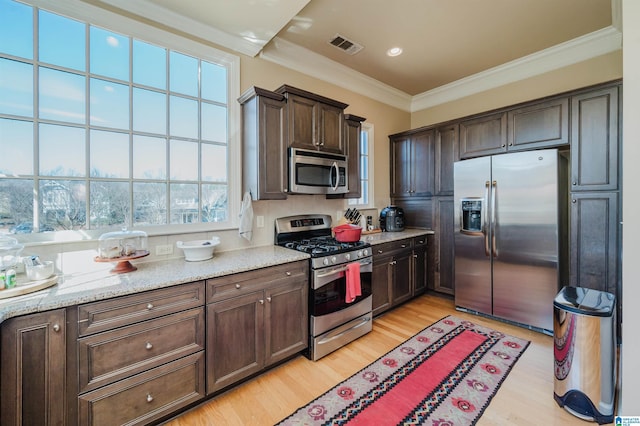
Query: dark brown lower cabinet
{"points": [[443, 245], [420, 264], [32, 382]]}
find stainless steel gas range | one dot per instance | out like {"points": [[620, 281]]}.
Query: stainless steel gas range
{"points": [[333, 321]]}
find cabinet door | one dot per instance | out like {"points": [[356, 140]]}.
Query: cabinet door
{"points": [[402, 273], [286, 322], [483, 135], [594, 240], [421, 164], [446, 153], [272, 168], [32, 378], [443, 245], [420, 280], [330, 121], [302, 116], [541, 125], [594, 141], [400, 167], [235, 340], [352, 127], [380, 283]]}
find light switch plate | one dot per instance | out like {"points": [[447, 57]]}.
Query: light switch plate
{"points": [[164, 249], [260, 221]]}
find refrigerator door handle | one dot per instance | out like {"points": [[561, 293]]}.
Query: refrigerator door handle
{"points": [[485, 230], [494, 217]]}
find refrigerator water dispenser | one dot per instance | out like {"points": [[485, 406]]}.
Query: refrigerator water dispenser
{"points": [[471, 215]]}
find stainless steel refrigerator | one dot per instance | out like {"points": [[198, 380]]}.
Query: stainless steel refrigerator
{"points": [[510, 235]]}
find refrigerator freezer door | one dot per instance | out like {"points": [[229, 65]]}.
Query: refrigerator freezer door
{"points": [[472, 180], [525, 263]]}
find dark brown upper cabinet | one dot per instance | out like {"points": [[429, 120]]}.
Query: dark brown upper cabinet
{"points": [[352, 127], [315, 122], [541, 125], [412, 165], [484, 135], [594, 140], [446, 143]]}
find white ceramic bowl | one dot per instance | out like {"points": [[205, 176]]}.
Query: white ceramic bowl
{"points": [[39, 272], [195, 251]]}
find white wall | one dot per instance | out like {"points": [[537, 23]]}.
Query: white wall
{"points": [[630, 367]]}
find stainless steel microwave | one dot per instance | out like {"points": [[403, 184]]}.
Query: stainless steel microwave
{"points": [[315, 172]]}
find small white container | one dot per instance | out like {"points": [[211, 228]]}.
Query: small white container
{"points": [[39, 272], [195, 251]]}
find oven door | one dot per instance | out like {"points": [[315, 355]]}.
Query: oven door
{"points": [[329, 286]]}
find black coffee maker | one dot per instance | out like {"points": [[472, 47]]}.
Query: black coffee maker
{"points": [[392, 219]]}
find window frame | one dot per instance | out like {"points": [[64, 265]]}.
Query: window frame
{"points": [[111, 21], [353, 202]]}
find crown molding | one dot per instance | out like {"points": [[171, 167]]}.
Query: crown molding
{"points": [[300, 59], [171, 19], [580, 49]]}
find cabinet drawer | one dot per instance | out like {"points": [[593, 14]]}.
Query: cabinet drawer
{"points": [[122, 311], [420, 241], [114, 355], [389, 247], [146, 397], [247, 282]]}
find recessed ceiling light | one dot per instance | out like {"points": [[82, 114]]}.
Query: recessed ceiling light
{"points": [[394, 51]]}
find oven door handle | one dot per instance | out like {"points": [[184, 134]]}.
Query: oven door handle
{"points": [[341, 269], [328, 339]]}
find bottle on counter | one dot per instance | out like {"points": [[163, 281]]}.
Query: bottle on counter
{"points": [[10, 278], [2, 275]]}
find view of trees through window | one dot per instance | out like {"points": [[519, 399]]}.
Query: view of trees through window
{"points": [[99, 129]]}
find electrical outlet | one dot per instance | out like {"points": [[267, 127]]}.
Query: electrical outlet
{"points": [[260, 221], [164, 249]]}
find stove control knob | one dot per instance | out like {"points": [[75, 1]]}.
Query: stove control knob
{"points": [[347, 256], [365, 252], [333, 259], [325, 261]]}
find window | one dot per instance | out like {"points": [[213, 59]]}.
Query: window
{"points": [[102, 128], [366, 168]]}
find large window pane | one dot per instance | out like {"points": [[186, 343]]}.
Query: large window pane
{"points": [[62, 96], [184, 117], [16, 146], [183, 74], [16, 88], [62, 204], [109, 54], [183, 159], [109, 154], [61, 41], [214, 203], [109, 104], [149, 65], [214, 122], [214, 79], [62, 151], [214, 163], [149, 111], [16, 29], [184, 203], [149, 203], [149, 157], [110, 204], [16, 205]]}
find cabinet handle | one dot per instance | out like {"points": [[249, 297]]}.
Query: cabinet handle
{"points": [[56, 327], [149, 397], [269, 299], [238, 286], [393, 262], [574, 201], [261, 301], [415, 256], [288, 273], [149, 306], [574, 183], [148, 346], [403, 246], [421, 242], [379, 251], [503, 145]]}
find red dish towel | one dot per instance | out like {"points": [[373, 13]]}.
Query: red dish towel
{"points": [[353, 282]]}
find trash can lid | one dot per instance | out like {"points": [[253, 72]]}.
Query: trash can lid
{"points": [[585, 301]]}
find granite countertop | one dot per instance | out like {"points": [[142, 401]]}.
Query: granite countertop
{"points": [[98, 284]]}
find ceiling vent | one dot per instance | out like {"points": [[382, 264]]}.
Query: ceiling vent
{"points": [[346, 45]]}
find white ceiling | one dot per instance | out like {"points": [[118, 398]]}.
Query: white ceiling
{"points": [[445, 42]]}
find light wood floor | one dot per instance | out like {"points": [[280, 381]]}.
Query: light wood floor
{"points": [[525, 398]]}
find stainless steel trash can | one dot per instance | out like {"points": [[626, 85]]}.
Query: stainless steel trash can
{"points": [[584, 334]]}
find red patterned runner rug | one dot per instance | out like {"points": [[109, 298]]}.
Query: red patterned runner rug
{"points": [[443, 376]]}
